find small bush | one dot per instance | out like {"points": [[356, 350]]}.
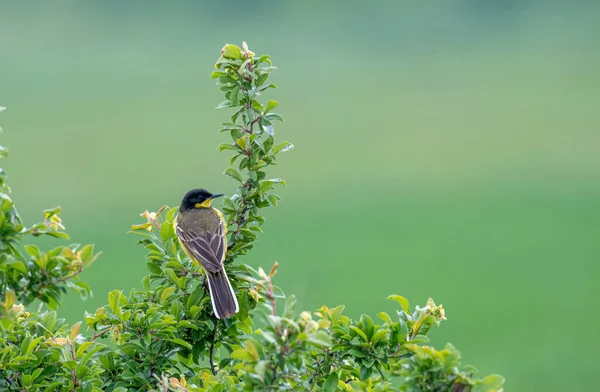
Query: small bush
{"points": [[165, 337]]}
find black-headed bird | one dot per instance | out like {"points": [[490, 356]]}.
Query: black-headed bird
{"points": [[202, 232]]}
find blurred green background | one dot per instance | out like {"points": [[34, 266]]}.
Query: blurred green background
{"points": [[445, 149]]}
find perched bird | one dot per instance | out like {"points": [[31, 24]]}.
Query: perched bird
{"points": [[202, 232]]}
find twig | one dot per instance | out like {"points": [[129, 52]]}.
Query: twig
{"points": [[73, 374], [381, 373], [275, 373], [254, 122], [317, 371], [212, 350], [271, 297], [68, 277], [97, 335], [240, 217]]}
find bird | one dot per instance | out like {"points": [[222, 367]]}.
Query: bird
{"points": [[202, 233]]}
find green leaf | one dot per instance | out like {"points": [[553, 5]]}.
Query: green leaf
{"points": [[359, 332], [32, 250], [224, 104], [263, 88], [235, 96], [367, 326], [172, 275], [330, 385], [419, 339], [216, 74], [272, 104], [231, 172], [402, 301], [267, 126], [273, 116], [251, 348], [272, 199], [181, 342], [379, 335], [260, 80], [493, 382], [231, 51], [242, 354], [257, 106], [227, 146], [87, 254], [282, 147], [242, 68], [365, 372], [114, 298], [242, 142], [385, 317], [336, 313], [264, 59], [167, 231], [320, 338], [153, 268], [166, 293], [58, 234], [170, 216], [357, 353]]}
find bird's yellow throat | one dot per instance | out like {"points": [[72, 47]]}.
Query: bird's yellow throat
{"points": [[204, 204]]}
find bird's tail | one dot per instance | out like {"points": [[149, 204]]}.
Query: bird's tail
{"points": [[223, 298]]}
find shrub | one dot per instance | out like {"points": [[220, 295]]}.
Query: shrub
{"points": [[165, 337]]}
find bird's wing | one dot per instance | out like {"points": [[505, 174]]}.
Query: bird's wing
{"points": [[206, 248]]}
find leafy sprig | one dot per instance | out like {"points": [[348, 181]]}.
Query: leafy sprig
{"points": [[242, 76]]}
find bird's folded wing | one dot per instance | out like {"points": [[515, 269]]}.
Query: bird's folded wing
{"points": [[206, 248]]}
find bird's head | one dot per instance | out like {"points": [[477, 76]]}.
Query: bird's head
{"points": [[197, 198]]}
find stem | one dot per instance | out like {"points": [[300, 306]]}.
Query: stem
{"points": [[73, 374], [275, 373], [212, 350], [317, 371], [240, 218], [97, 335], [253, 121], [65, 278], [271, 297], [381, 373]]}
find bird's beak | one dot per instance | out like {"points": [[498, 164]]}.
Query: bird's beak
{"points": [[216, 195]]}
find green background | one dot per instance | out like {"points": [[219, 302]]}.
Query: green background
{"points": [[446, 149]]}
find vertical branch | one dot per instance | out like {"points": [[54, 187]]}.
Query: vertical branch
{"points": [[211, 358], [243, 77]]}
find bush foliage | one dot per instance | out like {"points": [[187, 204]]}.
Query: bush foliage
{"points": [[165, 337]]}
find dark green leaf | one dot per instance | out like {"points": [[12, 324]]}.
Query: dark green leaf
{"points": [[330, 385]]}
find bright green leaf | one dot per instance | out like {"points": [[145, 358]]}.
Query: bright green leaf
{"points": [[272, 104], [402, 301]]}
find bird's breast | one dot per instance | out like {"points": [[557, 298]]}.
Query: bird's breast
{"points": [[201, 220]]}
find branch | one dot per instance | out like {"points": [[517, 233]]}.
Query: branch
{"points": [[97, 335], [212, 350]]}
